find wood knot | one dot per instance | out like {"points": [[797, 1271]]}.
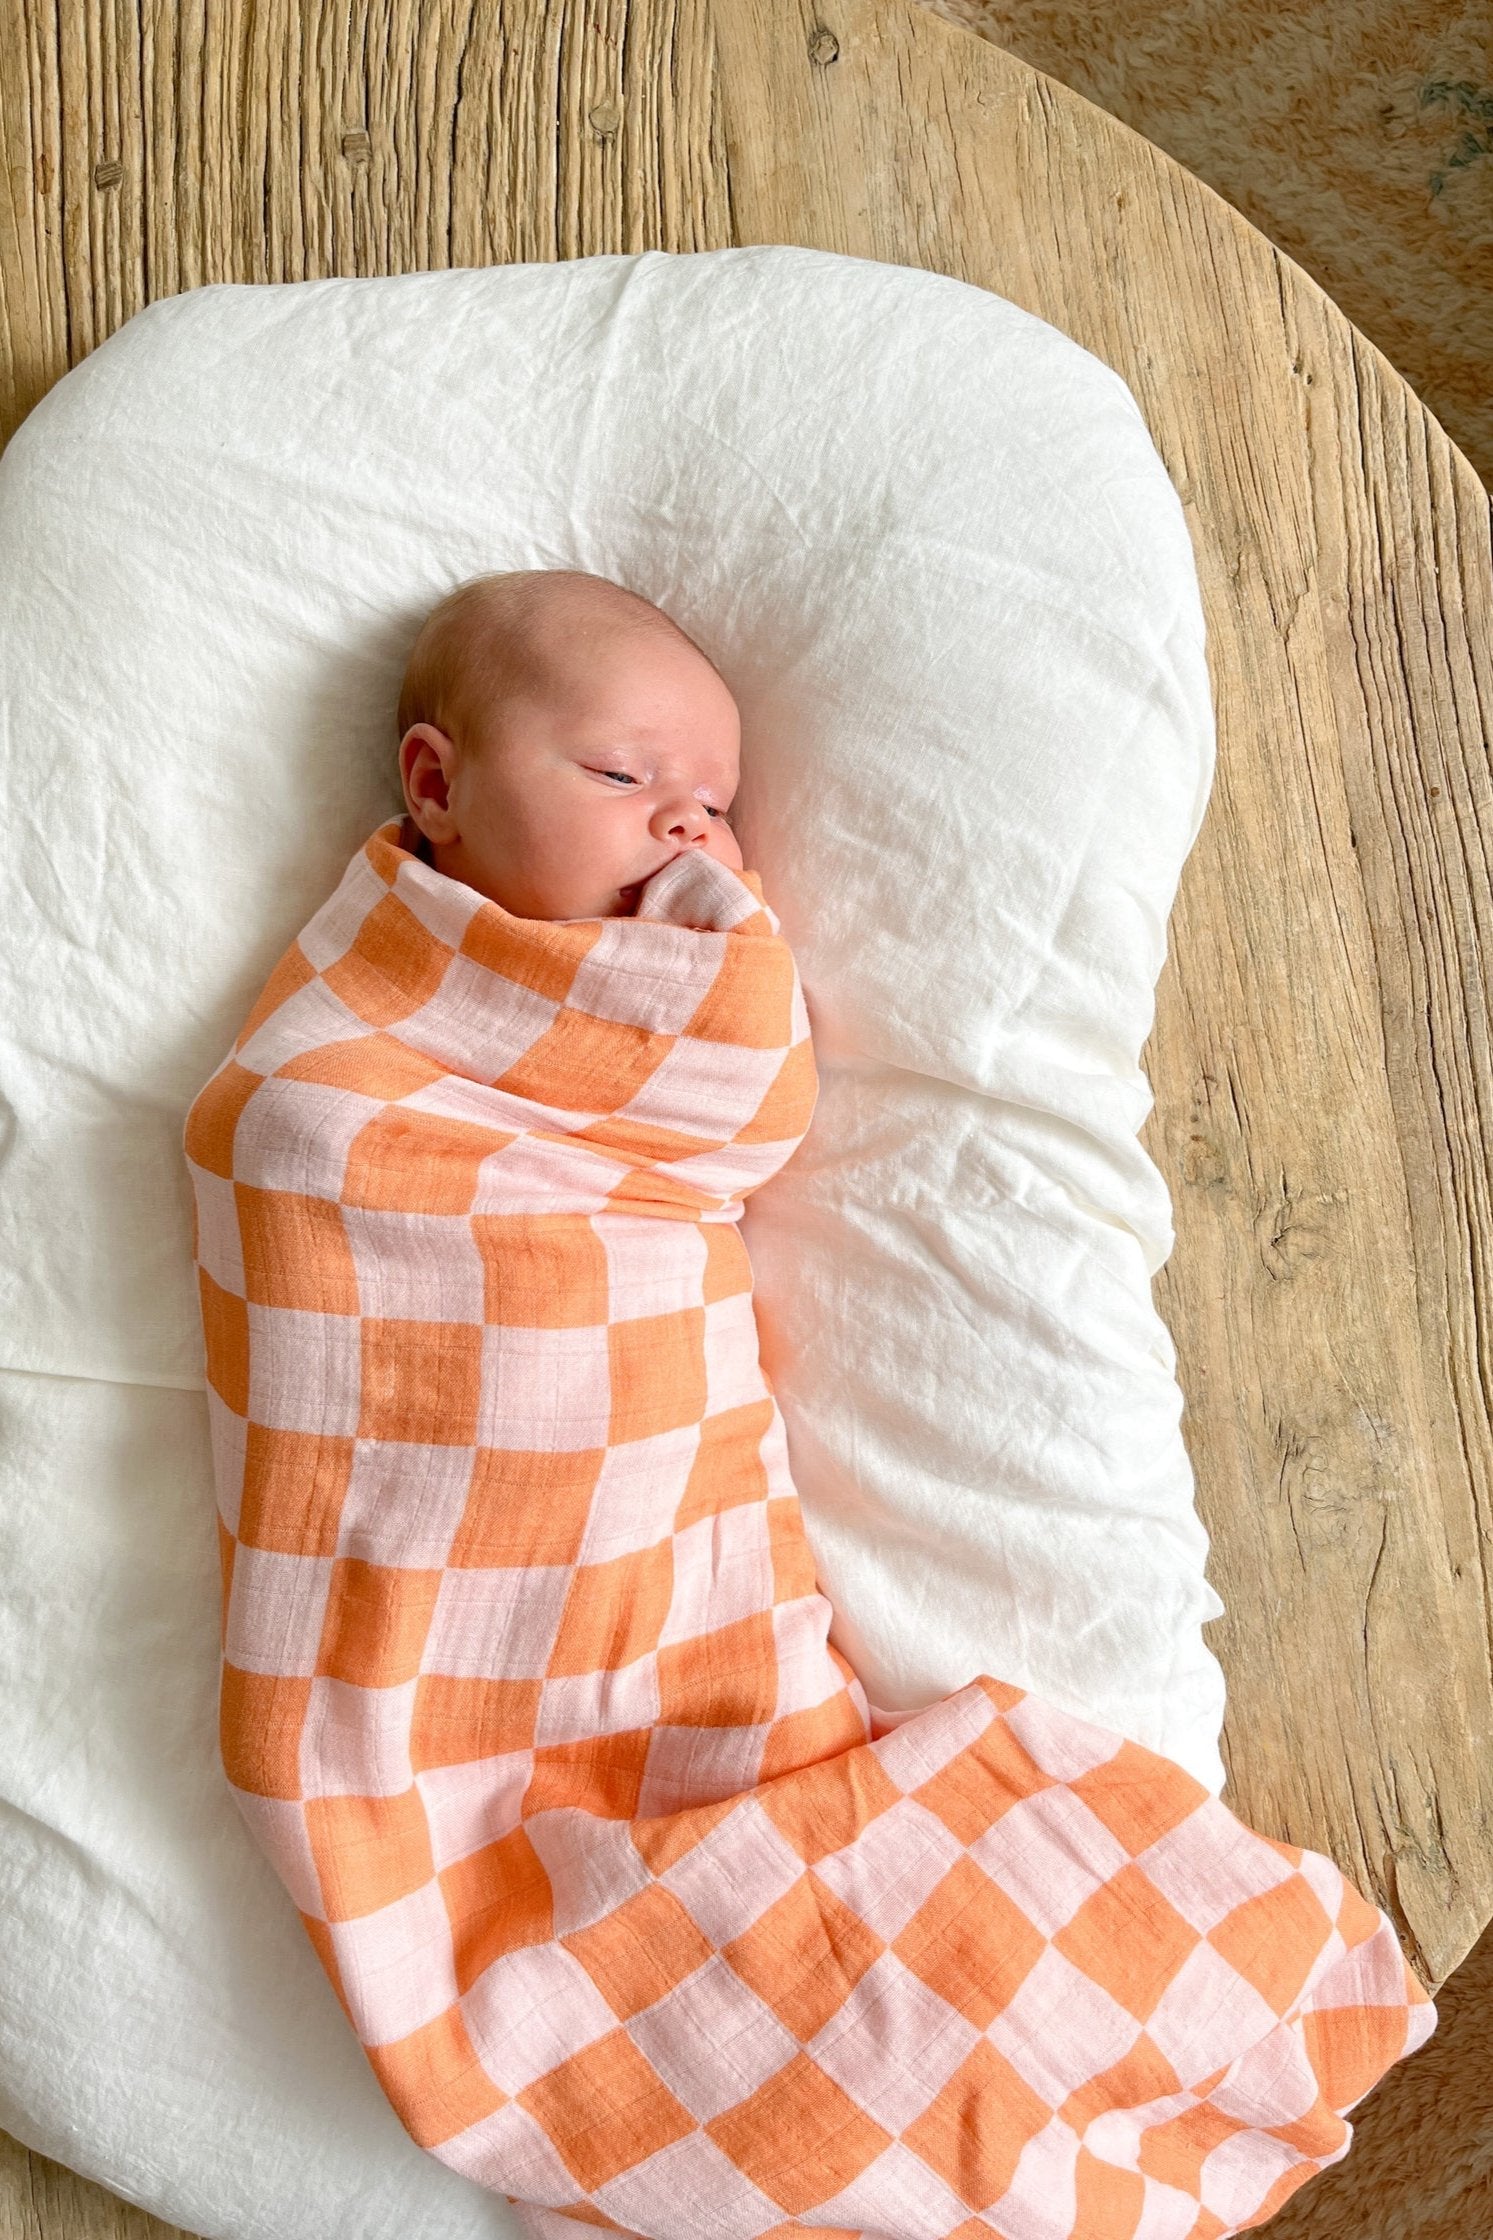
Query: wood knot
{"points": [[1302, 1227], [1204, 1166], [107, 174], [824, 47], [604, 118], [357, 147]]}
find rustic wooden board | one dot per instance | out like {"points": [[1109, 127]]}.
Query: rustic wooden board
{"points": [[1320, 1057], [41, 2200]]}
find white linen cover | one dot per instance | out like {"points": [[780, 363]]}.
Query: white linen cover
{"points": [[930, 544]]}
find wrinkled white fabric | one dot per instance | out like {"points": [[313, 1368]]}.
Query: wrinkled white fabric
{"points": [[933, 550]]}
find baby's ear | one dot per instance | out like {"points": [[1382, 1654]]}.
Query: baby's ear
{"points": [[427, 759]]}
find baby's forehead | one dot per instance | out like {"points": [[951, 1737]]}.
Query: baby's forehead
{"points": [[541, 652], [576, 654]]}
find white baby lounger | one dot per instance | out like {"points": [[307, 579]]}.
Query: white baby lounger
{"points": [[931, 546]]}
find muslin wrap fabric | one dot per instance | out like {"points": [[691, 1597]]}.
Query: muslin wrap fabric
{"points": [[644, 1916]]}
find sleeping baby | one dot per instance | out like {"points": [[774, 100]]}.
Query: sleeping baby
{"points": [[560, 740], [645, 1918]]}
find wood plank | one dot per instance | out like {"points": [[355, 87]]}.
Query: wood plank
{"points": [[1320, 1056], [42, 2200]]}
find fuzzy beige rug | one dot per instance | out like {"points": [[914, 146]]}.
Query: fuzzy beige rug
{"points": [[1358, 135], [1420, 2166]]}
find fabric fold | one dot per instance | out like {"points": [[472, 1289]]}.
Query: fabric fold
{"points": [[644, 1916]]}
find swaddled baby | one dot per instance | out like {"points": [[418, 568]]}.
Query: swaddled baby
{"points": [[644, 1917]]}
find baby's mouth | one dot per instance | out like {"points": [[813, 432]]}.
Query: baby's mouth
{"points": [[629, 895]]}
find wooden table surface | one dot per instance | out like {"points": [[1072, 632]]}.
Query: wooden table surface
{"points": [[1321, 1051]]}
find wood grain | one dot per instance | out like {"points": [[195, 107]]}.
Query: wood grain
{"points": [[42, 2200], [1320, 1055]]}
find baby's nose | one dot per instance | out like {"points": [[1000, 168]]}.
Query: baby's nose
{"points": [[686, 816]]}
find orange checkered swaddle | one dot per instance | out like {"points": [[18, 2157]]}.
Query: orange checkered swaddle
{"points": [[644, 1917]]}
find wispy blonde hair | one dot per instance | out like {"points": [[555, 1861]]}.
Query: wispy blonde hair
{"points": [[488, 637]]}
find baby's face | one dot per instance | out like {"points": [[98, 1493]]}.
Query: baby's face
{"points": [[580, 790]]}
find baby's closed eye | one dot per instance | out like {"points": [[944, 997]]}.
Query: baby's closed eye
{"points": [[627, 774]]}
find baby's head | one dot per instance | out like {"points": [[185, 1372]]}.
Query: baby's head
{"points": [[561, 738]]}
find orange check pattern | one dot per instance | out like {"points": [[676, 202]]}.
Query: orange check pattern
{"points": [[644, 1917]]}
